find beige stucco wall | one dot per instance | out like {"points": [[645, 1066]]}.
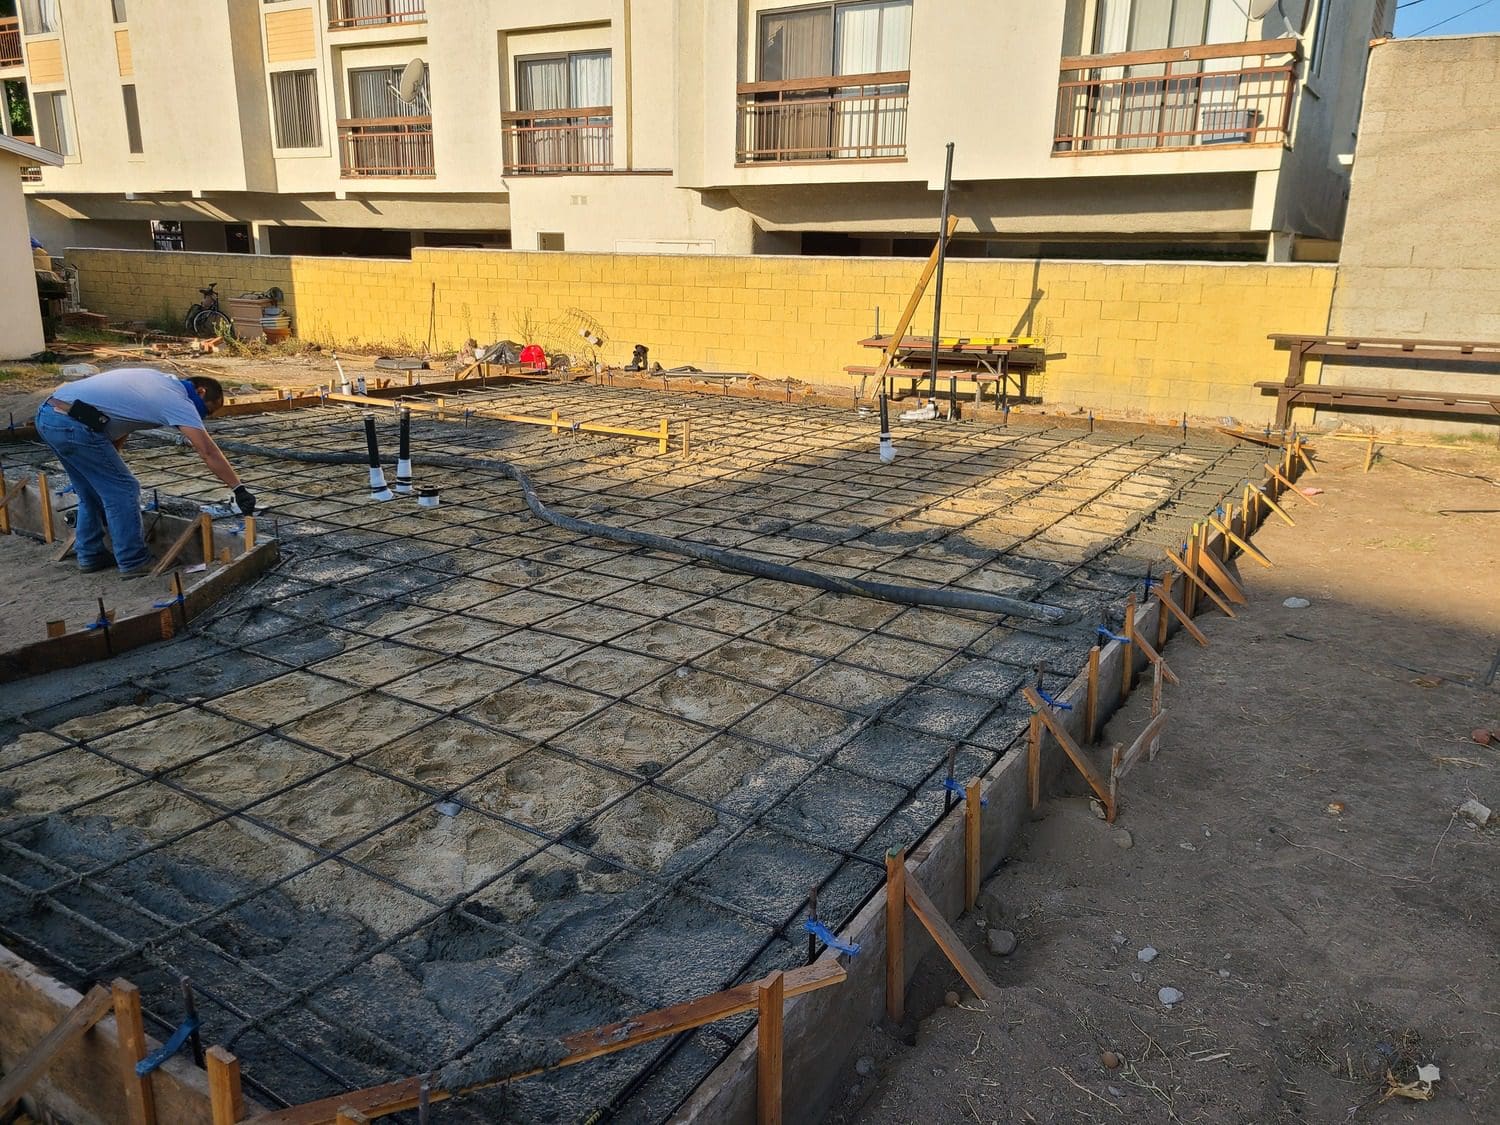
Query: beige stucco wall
{"points": [[20, 315], [1421, 253]]}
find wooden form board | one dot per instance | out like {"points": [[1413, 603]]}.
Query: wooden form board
{"points": [[83, 1081]]}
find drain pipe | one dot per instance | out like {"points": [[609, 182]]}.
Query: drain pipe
{"points": [[403, 458], [938, 596], [378, 489]]}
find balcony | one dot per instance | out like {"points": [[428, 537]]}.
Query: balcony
{"points": [[542, 142], [386, 148], [10, 41], [843, 118], [30, 173], [1224, 94], [374, 13]]}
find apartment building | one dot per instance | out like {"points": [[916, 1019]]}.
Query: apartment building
{"points": [[1136, 128]]}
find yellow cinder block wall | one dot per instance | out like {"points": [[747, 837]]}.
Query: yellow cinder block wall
{"points": [[1150, 340]]}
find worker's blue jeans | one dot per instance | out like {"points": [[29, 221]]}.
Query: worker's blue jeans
{"points": [[108, 494]]}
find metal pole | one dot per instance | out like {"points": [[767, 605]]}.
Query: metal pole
{"points": [[937, 292]]}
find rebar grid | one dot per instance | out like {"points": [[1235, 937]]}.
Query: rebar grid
{"points": [[477, 594]]}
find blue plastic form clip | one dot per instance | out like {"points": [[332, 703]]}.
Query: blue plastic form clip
{"points": [[954, 787], [1054, 703], [822, 933], [167, 1049], [1108, 636]]}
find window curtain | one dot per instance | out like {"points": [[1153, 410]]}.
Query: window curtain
{"points": [[590, 77], [872, 38], [295, 97], [39, 16]]}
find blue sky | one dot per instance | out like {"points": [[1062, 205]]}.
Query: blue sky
{"points": [[1414, 16]]}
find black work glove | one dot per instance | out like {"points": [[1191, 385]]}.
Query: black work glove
{"points": [[244, 500]]}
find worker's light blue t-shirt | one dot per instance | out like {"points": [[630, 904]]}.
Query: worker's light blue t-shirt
{"points": [[135, 398]]}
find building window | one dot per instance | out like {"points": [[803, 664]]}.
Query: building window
{"points": [[387, 133], [166, 234], [52, 122], [132, 120], [39, 16], [564, 119], [119, 6], [869, 37], [294, 95]]}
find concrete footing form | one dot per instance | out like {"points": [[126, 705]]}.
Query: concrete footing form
{"points": [[451, 783]]}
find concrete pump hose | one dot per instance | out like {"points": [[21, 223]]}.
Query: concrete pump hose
{"points": [[938, 596]]}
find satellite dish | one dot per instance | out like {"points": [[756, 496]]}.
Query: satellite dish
{"points": [[411, 79], [1259, 8]]}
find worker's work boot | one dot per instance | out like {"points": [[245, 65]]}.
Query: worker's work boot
{"points": [[104, 562], [140, 570]]}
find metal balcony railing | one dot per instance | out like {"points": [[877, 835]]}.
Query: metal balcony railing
{"points": [[374, 13], [30, 173], [844, 117], [386, 147], [1178, 98], [10, 41], [557, 141]]}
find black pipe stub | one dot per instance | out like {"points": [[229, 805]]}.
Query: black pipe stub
{"points": [[427, 497]]}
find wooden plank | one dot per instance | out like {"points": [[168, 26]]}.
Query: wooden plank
{"points": [[1183, 619], [1222, 578], [973, 809], [1127, 666], [206, 537], [226, 1099], [1155, 658], [250, 533], [1130, 757], [1275, 507], [140, 1105], [1243, 544], [403, 1093], [67, 548], [949, 942], [895, 936], [1290, 487], [4, 502], [904, 320], [348, 1115], [768, 1050], [44, 500], [178, 546], [1163, 589], [1198, 582], [1091, 700], [20, 1077], [1065, 740]]}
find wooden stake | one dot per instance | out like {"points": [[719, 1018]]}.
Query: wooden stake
{"points": [[348, 1115], [44, 498], [1195, 549], [67, 548], [1154, 658], [140, 1105], [1034, 760], [1199, 584], [1127, 669], [1183, 619], [4, 502], [895, 936], [1306, 460], [1222, 578], [1163, 589], [768, 1052], [1275, 507], [90, 1009], [1065, 740], [1091, 702], [1244, 545], [662, 443], [226, 1100], [949, 942], [249, 534], [973, 807], [1292, 488], [687, 435], [178, 546], [206, 532], [554, 420]]}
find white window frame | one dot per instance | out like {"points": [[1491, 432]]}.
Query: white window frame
{"points": [[62, 124], [317, 83]]}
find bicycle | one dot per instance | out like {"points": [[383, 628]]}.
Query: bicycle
{"points": [[205, 318]]}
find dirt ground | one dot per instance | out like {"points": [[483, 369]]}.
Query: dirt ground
{"points": [[1316, 952]]}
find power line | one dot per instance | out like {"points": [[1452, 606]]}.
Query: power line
{"points": [[1449, 19]]}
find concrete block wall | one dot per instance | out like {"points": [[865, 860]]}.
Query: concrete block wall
{"points": [[1152, 340]]}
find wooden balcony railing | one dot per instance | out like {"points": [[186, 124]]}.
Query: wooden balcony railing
{"points": [[1181, 97], [847, 117], [374, 13], [30, 173], [10, 41], [556, 141], [386, 147]]}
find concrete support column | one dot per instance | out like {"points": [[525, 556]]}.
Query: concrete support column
{"points": [[260, 237], [1279, 247]]}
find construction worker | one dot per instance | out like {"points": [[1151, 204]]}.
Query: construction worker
{"points": [[86, 424]]}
